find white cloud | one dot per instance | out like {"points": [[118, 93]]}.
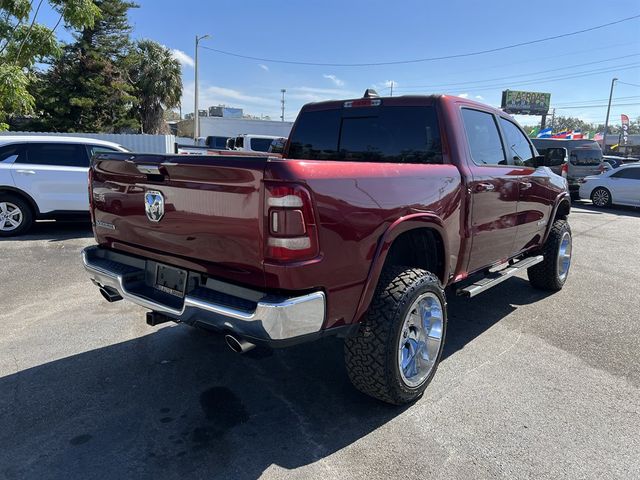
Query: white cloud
{"points": [[184, 59], [479, 97], [336, 81], [263, 67], [463, 95]]}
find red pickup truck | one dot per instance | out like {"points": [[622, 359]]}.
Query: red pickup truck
{"points": [[376, 206]]}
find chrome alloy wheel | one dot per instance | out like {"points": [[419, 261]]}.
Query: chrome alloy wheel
{"points": [[600, 197], [10, 216], [564, 256], [420, 339]]}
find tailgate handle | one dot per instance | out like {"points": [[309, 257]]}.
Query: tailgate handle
{"points": [[149, 169]]}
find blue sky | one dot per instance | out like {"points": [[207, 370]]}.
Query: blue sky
{"points": [[332, 31]]}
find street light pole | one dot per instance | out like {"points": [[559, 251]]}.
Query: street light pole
{"points": [[282, 104], [606, 120], [196, 111]]}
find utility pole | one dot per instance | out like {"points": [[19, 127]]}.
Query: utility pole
{"points": [[391, 88], [282, 104], [553, 117], [196, 110], [606, 120]]}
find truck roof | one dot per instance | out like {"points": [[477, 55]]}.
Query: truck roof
{"points": [[402, 100]]}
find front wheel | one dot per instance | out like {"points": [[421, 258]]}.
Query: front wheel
{"points": [[15, 215], [552, 272], [396, 352]]}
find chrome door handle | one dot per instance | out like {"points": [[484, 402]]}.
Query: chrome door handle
{"points": [[525, 185], [485, 187], [26, 172]]}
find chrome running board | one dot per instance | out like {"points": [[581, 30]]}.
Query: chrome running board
{"points": [[496, 278]]}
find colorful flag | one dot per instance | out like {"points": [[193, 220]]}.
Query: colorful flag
{"points": [[560, 135], [576, 134], [534, 132], [546, 133], [598, 136]]}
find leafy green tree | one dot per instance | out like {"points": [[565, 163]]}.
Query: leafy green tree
{"points": [[157, 79], [25, 42], [87, 87]]}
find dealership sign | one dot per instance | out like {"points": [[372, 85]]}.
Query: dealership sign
{"points": [[527, 103]]}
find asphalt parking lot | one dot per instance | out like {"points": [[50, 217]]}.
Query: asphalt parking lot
{"points": [[532, 385]]}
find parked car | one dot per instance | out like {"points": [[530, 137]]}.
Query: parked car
{"points": [[620, 186], [44, 177], [582, 158], [610, 162], [376, 206]]}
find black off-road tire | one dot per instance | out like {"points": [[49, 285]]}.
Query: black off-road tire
{"points": [[604, 193], [544, 275], [371, 355], [27, 215]]}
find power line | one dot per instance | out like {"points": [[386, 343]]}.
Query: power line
{"points": [[565, 104], [428, 59], [552, 78], [627, 83], [595, 106], [519, 75]]}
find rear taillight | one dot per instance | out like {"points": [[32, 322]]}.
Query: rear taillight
{"points": [[291, 233], [565, 170]]}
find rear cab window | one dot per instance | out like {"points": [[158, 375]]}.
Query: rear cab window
{"points": [[389, 134]]}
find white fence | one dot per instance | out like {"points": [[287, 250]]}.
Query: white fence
{"points": [[138, 143]]}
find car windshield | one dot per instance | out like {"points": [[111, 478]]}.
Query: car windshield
{"points": [[586, 157], [369, 134]]}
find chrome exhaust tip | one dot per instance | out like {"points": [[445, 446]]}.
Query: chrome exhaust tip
{"points": [[109, 294], [238, 345]]}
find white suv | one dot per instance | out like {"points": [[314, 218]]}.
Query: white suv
{"points": [[44, 177]]}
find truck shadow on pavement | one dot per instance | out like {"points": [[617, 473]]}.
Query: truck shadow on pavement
{"points": [[177, 403], [622, 210], [55, 231]]}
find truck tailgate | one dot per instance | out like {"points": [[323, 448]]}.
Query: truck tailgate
{"points": [[212, 210]]}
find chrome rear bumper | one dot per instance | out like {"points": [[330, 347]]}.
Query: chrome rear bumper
{"points": [[245, 312]]}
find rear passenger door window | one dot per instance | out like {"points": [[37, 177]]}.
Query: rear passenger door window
{"points": [[56, 154], [517, 145], [483, 137]]}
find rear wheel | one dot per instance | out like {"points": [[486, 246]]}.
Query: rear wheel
{"points": [[552, 272], [601, 197], [16, 216], [396, 352]]}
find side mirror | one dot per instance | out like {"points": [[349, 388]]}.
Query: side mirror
{"points": [[538, 161], [277, 145]]}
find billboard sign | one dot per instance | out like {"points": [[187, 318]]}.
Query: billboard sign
{"points": [[525, 103]]}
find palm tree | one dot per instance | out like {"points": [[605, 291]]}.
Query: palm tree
{"points": [[157, 78]]}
